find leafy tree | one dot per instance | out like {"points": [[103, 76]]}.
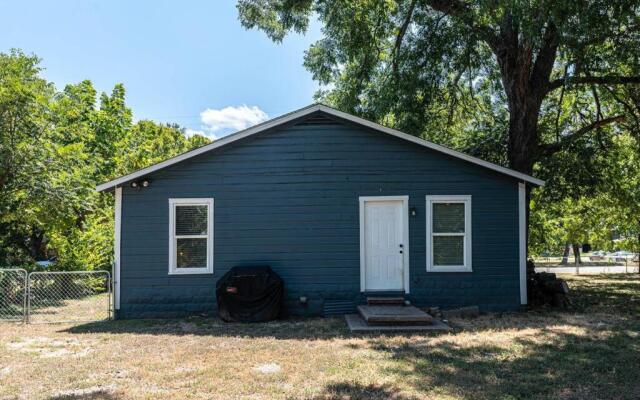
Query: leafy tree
{"points": [[590, 195], [24, 154], [112, 124], [149, 143], [623, 192]]}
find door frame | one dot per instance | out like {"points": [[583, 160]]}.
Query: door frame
{"points": [[405, 238]]}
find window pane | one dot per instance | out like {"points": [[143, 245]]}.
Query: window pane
{"points": [[448, 217], [448, 250], [191, 253], [191, 220]]}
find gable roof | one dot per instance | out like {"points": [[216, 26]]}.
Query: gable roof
{"points": [[283, 119]]}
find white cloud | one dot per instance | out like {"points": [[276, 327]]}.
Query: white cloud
{"points": [[230, 119]]}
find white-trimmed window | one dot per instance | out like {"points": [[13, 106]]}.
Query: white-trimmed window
{"points": [[448, 233], [190, 236]]}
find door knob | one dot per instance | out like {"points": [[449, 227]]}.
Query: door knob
{"points": [[401, 246]]}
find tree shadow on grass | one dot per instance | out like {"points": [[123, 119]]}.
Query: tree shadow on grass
{"points": [[91, 395], [354, 391], [588, 362], [290, 328], [607, 292]]}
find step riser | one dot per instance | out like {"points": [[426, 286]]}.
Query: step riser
{"points": [[395, 323], [379, 301]]}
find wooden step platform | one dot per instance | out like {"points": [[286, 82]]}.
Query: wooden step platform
{"points": [[393, 315], [376, 300]]}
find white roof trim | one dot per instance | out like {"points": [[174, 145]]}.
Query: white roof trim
{"points": [[302, 113]]}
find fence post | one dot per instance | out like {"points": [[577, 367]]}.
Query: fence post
{"points": [[110, 296], [112, 288], [25, 317], [28, 289]]}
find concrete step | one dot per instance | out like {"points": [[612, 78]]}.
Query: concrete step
{"points": [[394, 315], [379, 300], [357, 324]]}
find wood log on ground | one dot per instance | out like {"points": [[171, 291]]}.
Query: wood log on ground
{"points": [[546, 277], [546, 289], [555, 286]]}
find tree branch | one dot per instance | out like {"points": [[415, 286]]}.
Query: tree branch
{"points": [[461, 11], [546, 58], [593, 80], [566, 68], [401, 33], [566, 140]]}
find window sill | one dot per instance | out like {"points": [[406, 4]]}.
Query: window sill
{"points": [[192, 272], [449, 269]]}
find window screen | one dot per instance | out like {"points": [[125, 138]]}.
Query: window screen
{"points": [[448, 250], [191, 220], [448, 218], [191, 253]]}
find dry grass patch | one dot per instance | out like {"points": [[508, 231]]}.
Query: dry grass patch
{"points": [[591, 352], [87, 308]]}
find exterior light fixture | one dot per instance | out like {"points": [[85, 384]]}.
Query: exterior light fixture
{"points": [[413, 212], [140, 184]]}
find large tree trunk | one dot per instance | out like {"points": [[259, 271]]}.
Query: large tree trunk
{"points": [[523, 137], [576, 254], [37, 244], [565, 254], [523, 133], [525, 75]]}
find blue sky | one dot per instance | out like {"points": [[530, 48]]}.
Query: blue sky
{"points": [[177, 59]]}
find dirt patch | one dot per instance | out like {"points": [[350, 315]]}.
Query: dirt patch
{"points": [[271, 368]]}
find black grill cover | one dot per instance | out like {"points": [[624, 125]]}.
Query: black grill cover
{"points": [[249, 294]]}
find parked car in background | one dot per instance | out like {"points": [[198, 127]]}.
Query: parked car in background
{"points": [[47, 263], [622, 256], [597, 255]]}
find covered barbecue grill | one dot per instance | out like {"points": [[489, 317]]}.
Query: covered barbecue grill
{"points": [[249, 294]]}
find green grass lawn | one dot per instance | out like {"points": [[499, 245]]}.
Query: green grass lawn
{"points": [[590, 352]]}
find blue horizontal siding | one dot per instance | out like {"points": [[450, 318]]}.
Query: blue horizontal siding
{"points": [[289, 198]]}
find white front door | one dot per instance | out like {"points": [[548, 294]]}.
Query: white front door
{"points": [[383, 242]]}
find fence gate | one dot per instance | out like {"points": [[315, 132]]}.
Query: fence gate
{"points": [[13, 294], [68, 296]]}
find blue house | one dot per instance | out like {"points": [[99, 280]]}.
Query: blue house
{"points": [[338, 206]]}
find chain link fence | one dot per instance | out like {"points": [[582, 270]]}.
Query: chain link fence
{"points": [[70, 296], [13, 294], [47, 297]]}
